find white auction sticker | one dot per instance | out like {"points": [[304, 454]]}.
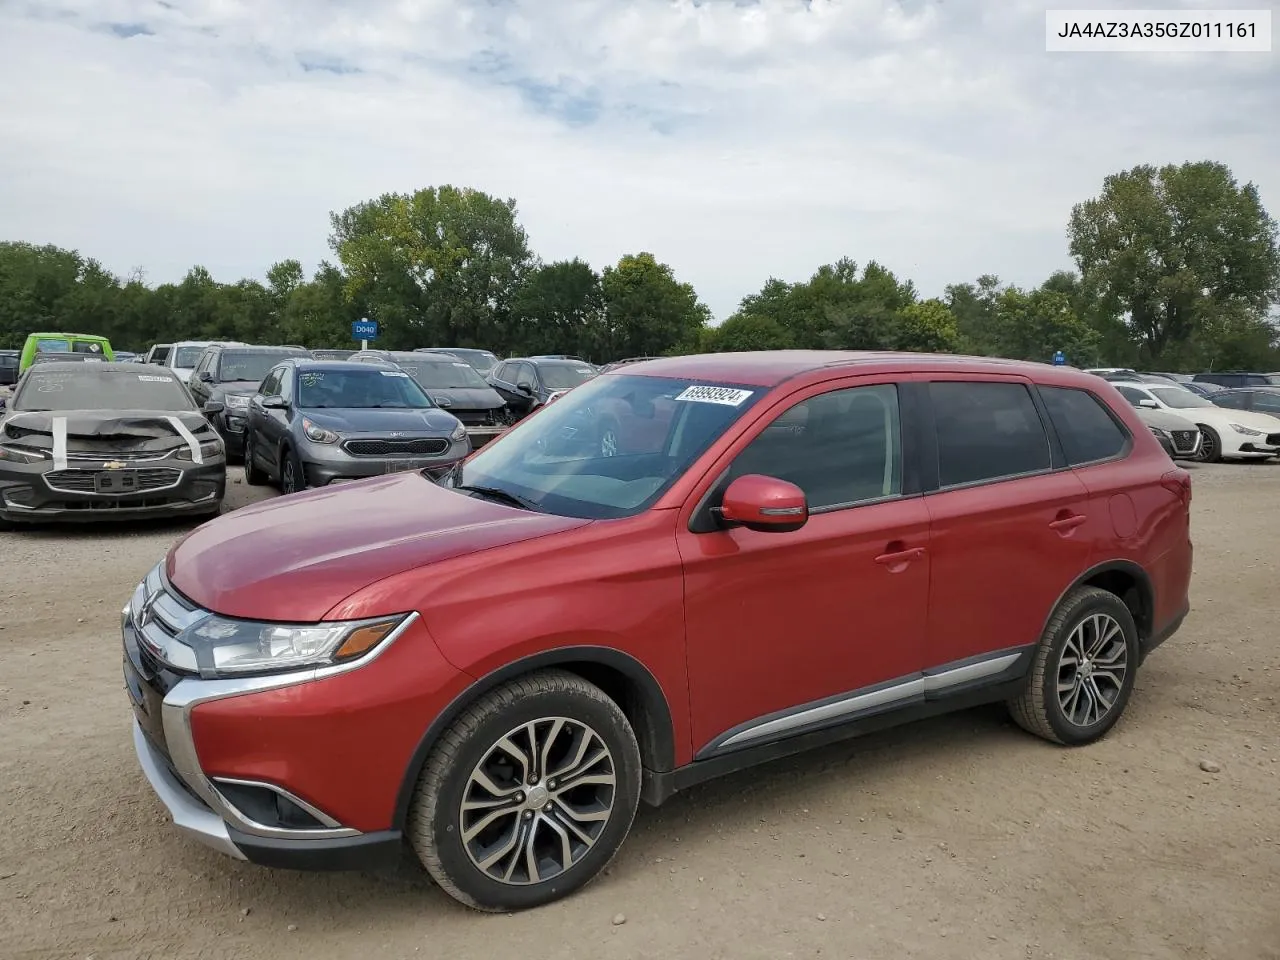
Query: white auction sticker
{"points": [[146, 379], [728, 396], [393, 373]]}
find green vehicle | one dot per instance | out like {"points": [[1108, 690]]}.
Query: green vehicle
{"points": [[61, 344]]}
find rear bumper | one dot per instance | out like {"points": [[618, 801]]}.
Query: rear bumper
{"points": [[1164, 633]]}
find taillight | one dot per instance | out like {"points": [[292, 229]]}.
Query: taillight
{"points": [[1179, 482]]}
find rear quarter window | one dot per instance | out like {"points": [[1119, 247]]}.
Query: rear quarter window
{"points": [[1085, 426]]}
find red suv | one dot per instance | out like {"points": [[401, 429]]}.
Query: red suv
{"points": [[498, 668]]}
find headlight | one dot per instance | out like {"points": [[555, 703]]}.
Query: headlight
{"points": [[223, 646], [318, 434], [237, 402], [208, 449], [459, 434], [1164, 434], [20, 455], [1246, 432]]}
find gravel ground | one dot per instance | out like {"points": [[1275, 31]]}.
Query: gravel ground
{"points": [[960, 837]]}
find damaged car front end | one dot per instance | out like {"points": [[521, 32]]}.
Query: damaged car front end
{"points": [[106, 442]]}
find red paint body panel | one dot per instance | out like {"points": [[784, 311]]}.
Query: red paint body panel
{"points": [[342, 743], [294, 558]]}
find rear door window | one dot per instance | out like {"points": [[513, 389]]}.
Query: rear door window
{"points": [[1085, 426], [987, 431]]}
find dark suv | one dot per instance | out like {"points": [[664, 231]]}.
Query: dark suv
{"points": [[1238, 378], [223, 380], [527, 382]]}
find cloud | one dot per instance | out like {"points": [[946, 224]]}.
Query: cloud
{"points": [[735, 139]]}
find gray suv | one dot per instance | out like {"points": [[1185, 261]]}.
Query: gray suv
{"points": [[316, 422]]}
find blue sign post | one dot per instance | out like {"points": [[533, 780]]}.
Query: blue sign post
{"points": [[1059, 358], [364, 330]]}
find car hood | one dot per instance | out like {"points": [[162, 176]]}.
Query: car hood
{"points": [[1164, 420], [466, 398], [429, 421], [1220, 417], [106, 432], [239, 388], [296, 557]]}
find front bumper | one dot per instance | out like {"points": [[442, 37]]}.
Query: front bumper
{"points": [[301, 770], [324, 464], [35, 493]]}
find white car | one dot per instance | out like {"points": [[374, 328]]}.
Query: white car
{"points": [[1223, 433], [183, 355]]}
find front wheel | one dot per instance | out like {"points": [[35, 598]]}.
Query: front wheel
{"points": [[292, 477], [1083, 671], [528, 795], [1210, 445]]}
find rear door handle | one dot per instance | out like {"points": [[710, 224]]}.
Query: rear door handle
{"points": [[1068, 523], [900, 556]]}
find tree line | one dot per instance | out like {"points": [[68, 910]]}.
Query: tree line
{"points": [[1177, 268]]}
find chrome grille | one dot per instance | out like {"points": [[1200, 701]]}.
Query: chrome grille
{"points": [[425, 446], [1184, 441], [158, 616], [77, 480], [130, 455]]}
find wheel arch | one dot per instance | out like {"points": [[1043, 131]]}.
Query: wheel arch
{"points": [[626, 680], [1128, 581]]}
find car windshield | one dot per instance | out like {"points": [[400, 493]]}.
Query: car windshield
{"points": [[564, 376], [442, 374], [185, 357], [482, 361], [359, 389], [1178, 398], [238, 365], [608, 449], [91, 390]]}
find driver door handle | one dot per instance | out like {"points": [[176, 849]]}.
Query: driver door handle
{"points": [[1064, 524], [900, 556]]}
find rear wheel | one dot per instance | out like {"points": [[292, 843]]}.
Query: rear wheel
{"points": [[1083, 671], [254, 475], [528, 795], [1210, 445]]}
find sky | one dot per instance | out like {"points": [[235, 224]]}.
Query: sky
{"points": [[737, 140]]}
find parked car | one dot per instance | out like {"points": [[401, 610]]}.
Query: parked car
{"points": [[622, 363], [1255, 399], [157, 353], [1183, 378], [9, 360], [1203, 389], [526, 382], [453, 385], [1239, 378], [497, 669], [83, 345], [482, 360], [224, 379], [106, 441], [317, 422], [125, 356], [183, 356], [1178, 435], [1223, 433], [333, 354]]}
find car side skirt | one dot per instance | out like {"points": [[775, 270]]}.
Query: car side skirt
{"points": [[988, 678]]}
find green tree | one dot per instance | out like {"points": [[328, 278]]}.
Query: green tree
{"points": [[437, 267], [1033, 326], [928, 326], [974, 307], [648, 312], [747, 331], [559, 308], [1175, 249]]}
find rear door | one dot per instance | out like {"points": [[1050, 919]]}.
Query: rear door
{"points": [[1011, 525]]}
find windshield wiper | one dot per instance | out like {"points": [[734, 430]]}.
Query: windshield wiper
{"points": [[494, 493]]}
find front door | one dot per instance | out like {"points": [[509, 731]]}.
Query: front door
{"points": [[1010, 529], [791, 632]]}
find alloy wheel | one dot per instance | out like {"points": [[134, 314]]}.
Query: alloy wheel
{"points": [[538, 801], [1092, 669], [1208, 447], [288, 480]]}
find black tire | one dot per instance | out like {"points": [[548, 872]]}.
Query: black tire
{"points": [[1210, 445], [436, 819], [254, 475], [293, 478], [1039, 709]]}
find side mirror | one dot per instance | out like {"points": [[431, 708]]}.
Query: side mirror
{"points": [[205, 376], [273, 403], [764, 504], [524, 386], [1148, 405], [215, 406]]}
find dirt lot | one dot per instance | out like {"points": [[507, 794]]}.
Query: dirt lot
{"points": [[961, 837]]}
